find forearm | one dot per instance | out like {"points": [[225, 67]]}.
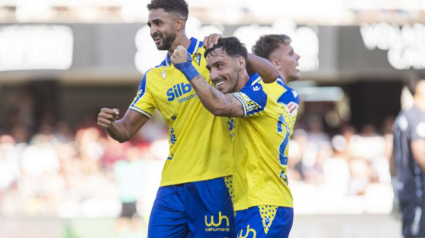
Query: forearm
{"points": [[119, 131], [263, 67], [213, 100]]}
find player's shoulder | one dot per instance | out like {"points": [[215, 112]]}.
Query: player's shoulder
{"points": [[253, 85], [290, 94], [407, 117], [254, 90], [156, 73]]}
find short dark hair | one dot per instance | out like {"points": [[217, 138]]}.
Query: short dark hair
{"points": [[232, 46], [269, 43], [177, 6]]}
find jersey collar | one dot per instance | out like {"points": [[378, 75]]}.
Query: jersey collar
{"points": [[193, 48], [253, 79]]}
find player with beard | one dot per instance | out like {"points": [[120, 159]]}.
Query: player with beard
{"points": [[263, 200], [193, 199]]}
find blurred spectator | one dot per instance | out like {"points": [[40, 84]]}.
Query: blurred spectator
{"points": [[409, 148], [84, 174], [129, 175], [9, 162]]}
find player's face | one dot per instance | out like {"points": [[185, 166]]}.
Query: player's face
{"points": [[287, 62], [223, 69], [162, 25]]}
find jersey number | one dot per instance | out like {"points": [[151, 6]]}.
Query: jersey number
{"points": [[284, 145]]}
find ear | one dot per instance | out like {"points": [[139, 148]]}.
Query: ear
{"points": [[241, 63], [179, 23], [276, 63]]}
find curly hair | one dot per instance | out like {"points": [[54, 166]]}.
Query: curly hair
{"points": [[232, 46], [177, 6], [269, 43]]}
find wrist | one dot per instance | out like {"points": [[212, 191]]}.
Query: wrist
{"points": [[187, 69]]}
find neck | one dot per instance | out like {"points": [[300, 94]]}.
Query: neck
{"points": [[285, 77], [243, 79], [420, 103], [182, 40]]}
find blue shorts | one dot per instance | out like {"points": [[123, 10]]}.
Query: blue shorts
{"points": [[264, 221], [198, 209]]}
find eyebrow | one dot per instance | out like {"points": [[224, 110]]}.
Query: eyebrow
{"points": [[155, 21], [215, 64]]}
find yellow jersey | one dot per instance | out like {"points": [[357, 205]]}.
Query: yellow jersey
{"points": [[288, 98], [261, 147], [200, 143]]}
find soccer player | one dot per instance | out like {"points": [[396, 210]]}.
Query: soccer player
{"points": [[278, 50], [193, 198], [409, 154], [263, 199]]}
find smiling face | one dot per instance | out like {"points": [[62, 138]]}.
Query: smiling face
{"points": [[224, 70], [286, 61], [162, 25]]}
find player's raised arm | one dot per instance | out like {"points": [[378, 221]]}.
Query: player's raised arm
{"points": [[256, 64], [214, 101], [124, 129], [267, 71]]}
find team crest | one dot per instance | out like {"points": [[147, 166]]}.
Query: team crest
{"points": [[197, 58]]}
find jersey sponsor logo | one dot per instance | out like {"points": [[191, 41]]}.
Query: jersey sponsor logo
{"points": [[247, 234], [163, 74], [292, 108], [178, 90], [212, 226], [231, 124], [420, 129], [173, 138]]}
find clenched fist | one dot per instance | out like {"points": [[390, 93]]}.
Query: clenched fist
{"points": [[179, 55], [107, 116]]}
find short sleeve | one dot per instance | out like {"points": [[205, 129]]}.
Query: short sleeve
{"points": [[253, 98], [143, 102], [417, 129]]}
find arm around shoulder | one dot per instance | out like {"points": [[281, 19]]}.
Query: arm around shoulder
{"points": [[267, 71]]}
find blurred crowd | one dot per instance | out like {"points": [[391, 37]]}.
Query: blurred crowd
{"points": [[64, 172]]}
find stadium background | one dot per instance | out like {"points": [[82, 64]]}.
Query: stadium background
{"points": [[61, 61]]}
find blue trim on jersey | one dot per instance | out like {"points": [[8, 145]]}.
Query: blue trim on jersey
{"points": [[193, 47], [254, 90], [281, 81], [290, 95], [163, 64], [141, 87]]}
